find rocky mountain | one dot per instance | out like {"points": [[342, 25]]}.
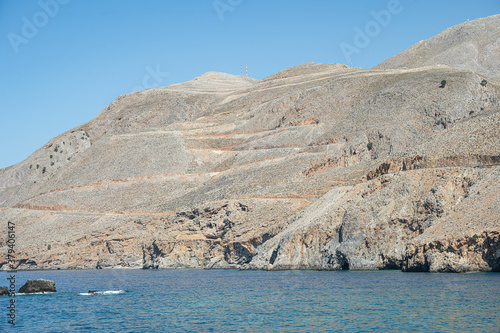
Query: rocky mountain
{"points": [[319, 166], [473, 46]]}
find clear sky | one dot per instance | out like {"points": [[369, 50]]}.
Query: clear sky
{"points": [[62, 61]]}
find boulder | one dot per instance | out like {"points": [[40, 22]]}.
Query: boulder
{"points": [[37, 286], [4, 291]]}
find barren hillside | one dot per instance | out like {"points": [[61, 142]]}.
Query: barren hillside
{"points": [[316, 167], [473, 46]]}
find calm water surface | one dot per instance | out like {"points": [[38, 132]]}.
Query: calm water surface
{"points": [[258, 301]]}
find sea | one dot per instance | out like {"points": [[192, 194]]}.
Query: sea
{"points": [[255, 301]]}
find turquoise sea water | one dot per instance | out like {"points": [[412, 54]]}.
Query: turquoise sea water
{"points": [[257, 301]]}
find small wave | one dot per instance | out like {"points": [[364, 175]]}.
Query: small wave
{"points": [[107, 292], [39, 293]]}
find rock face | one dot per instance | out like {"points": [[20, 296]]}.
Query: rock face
{"points": [[479, 252], [4, 291], [38, 286], [319, 166]]}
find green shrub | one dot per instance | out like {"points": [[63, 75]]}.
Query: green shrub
{"points": [[206, 209], [44, 169], [223, 233], [475, 236], [49, 247], [226, 220], [484, 83], [443, 83], [470, 113], [369, 145]]}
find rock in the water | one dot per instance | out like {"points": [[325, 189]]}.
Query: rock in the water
{"points": [[4, 291], [37, 286]]}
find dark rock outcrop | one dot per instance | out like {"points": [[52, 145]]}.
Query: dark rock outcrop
{"points": [[38, 286], [476, 253]]}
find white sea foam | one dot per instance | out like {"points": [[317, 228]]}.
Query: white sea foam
{"points": [[107, 292], [39, 293]]}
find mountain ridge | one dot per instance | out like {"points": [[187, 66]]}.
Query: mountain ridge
{"points": [[472, 45]]}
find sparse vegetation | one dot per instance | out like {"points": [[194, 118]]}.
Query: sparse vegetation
{"points": [[223, 233], [44, 169], [470, 113], [350, 151], [51, 156], [226, 220], [56, 149], [443, 84], [369, 145], [49, 247], [38, 166], [51, 163], [484, 83], [475, 236], [206, 209]]}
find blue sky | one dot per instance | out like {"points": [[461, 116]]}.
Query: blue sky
{"points": [[62, 61]]}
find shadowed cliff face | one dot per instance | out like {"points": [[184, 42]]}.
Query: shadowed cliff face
{"points": [[315, 167]]}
